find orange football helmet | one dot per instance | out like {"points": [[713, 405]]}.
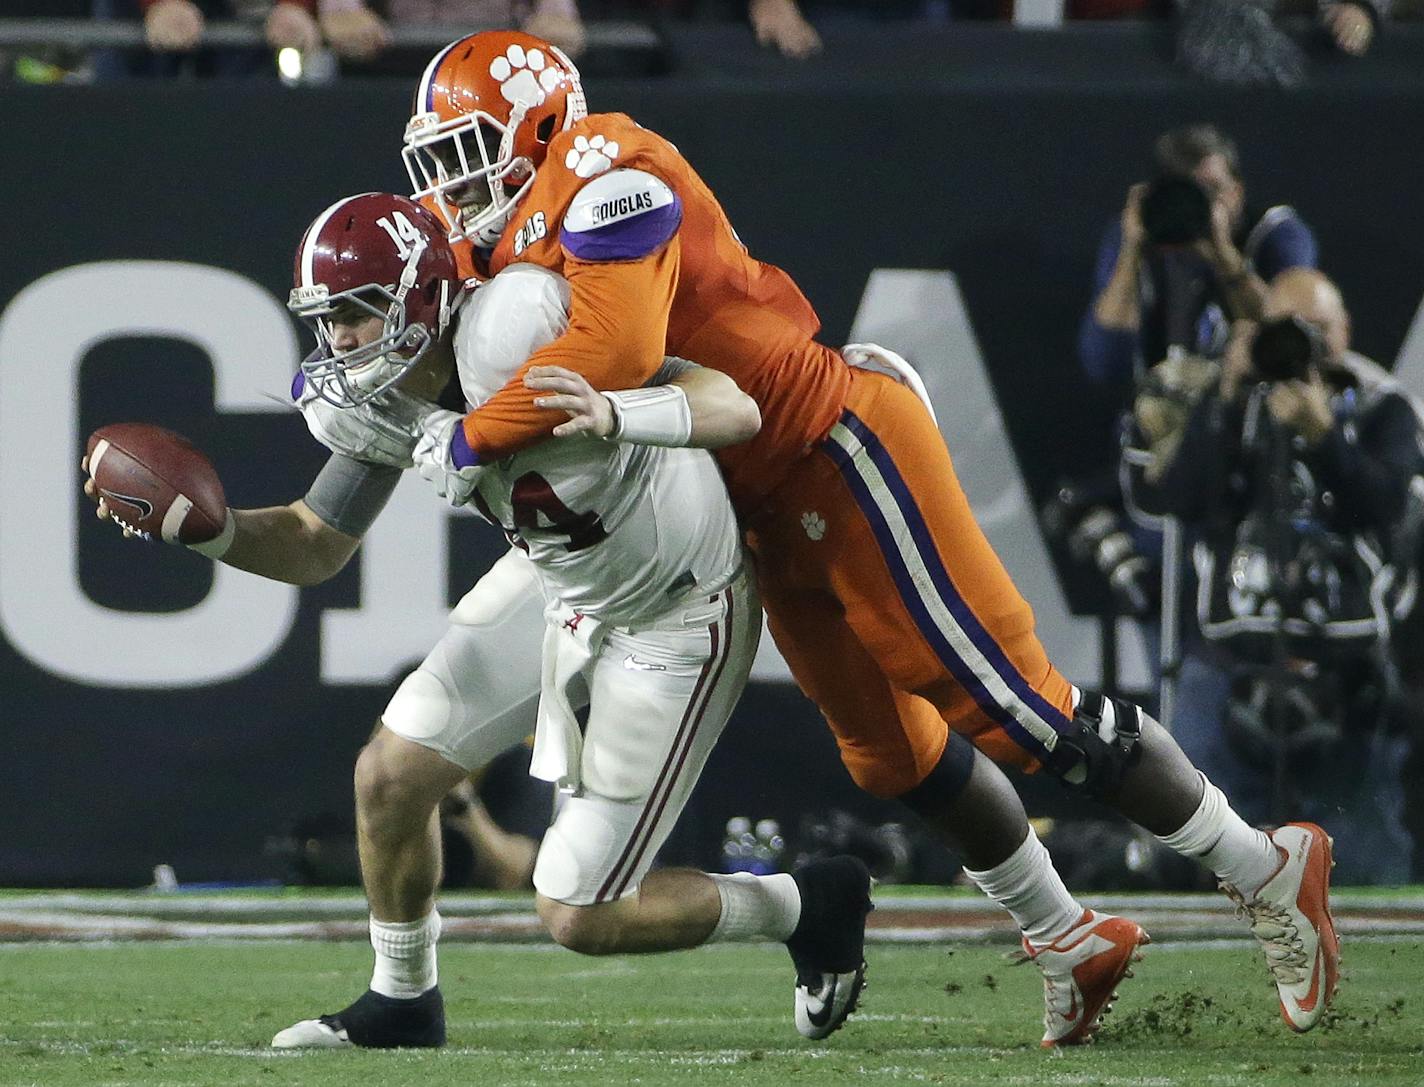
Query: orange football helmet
{"points": [[484, 113]]}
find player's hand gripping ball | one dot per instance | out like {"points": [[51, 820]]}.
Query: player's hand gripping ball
{"points": [[153, 482]]}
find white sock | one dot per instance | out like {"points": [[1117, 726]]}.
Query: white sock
{"points": [[1239, 854], [755, 906], [405, 956], [1030, 888]]}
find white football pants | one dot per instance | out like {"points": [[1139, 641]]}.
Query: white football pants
{"points": [[657, 696]]}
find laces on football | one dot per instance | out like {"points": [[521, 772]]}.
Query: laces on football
{"points": [[132, 530]]}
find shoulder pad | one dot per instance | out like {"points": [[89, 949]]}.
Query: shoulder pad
{"points": [[621, 215], [505, 321]]}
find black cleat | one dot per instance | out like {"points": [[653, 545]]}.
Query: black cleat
{"points": [[828, 946], [373, 1022]]}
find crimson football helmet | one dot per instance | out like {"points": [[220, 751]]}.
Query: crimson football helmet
{"points": [[484, 113], [372, 255]]}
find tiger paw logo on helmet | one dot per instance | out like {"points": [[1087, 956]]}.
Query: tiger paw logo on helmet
{"points": [[591, 155], [524, 76]]}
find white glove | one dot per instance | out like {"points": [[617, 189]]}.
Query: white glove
{"points": [[383, 431], [435, 463]]}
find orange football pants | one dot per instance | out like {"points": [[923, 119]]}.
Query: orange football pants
{"points": [[890, 606]]}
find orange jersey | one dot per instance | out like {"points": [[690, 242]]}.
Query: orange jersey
{"points": [[888, 603], [648, 281]]}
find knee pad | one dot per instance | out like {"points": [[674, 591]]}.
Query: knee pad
{"points": [[945, 781], [1104, 743], [422, 707]]}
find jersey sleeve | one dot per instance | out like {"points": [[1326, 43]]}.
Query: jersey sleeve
{"points": [[622, 281]]}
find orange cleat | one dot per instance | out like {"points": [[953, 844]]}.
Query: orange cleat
{"points": [[1081, 971], [1290, 918]]}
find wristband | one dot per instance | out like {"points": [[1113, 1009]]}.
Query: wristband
{"points": [[655, 416], [217, 547]]}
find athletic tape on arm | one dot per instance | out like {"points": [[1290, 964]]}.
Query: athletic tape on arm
{"points": [[657, 415]]}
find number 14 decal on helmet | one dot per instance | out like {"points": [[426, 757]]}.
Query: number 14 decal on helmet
{"points": [[403, 232]]}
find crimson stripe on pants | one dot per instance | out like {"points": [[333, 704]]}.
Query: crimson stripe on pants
{"points": [[672, 765], [687, 745]]}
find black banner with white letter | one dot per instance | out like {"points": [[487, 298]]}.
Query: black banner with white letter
{"points": [[157, 709]]}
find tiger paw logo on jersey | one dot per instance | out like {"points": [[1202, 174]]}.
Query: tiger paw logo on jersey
{"points": [[814, 524], [591, 155], [524, 76]]}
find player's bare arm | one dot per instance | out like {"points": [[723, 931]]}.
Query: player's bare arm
{"points": [[719, 413], [284, 543], [288, 543]]}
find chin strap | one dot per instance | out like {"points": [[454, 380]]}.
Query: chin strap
{"points": [[489, 234], [516, 118], [409, 272], [412, 336], [487, 237]]}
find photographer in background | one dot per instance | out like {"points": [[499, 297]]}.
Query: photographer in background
{"points": [[1293, 477], [1186, 258]]}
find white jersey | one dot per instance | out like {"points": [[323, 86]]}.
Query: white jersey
{"points": [[619, 532]]}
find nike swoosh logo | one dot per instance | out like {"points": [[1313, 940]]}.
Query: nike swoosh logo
{"points": [[1307, 1004], [145, 508], [632, 663], [819, 1017]]}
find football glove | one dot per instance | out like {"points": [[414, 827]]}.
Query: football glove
{"points": [[436, 463]]}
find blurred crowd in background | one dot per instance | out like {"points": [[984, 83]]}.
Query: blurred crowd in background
{"points": [[1232, 41]]}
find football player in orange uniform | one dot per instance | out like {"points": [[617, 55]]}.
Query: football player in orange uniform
{"points": [[882, 593]]}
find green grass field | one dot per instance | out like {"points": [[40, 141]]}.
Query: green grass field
{"points": [[202, 1013]]}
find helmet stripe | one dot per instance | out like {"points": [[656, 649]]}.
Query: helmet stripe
{"points": [[309, 242], [426, 93]]}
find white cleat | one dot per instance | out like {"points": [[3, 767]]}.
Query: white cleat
{"points": [[1081, 971], [821, 1010], [828, 946], [312, 1034], [1290, 918]]}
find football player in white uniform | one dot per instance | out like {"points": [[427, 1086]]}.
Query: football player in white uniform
{"points": [[651, 625]]}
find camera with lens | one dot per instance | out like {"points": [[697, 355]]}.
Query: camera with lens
{"points": [[1175, 210], [1098, 536], [1286, 349]]}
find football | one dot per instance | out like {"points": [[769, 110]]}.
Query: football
{"points": [[157, 483]]}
